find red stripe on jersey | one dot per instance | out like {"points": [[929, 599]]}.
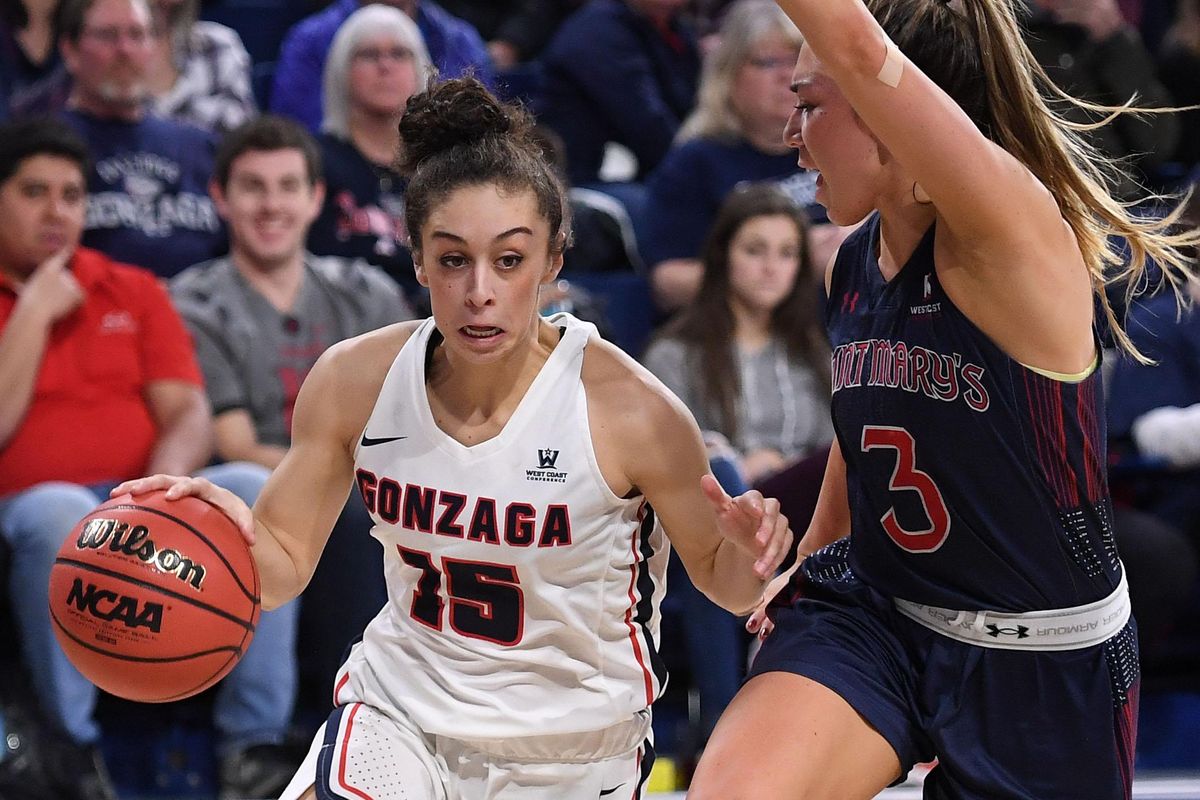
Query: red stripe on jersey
{"points": [[647, 676], [337, 689], [1087, 425], [1064, 462], [342, 761], [1127, 738]]}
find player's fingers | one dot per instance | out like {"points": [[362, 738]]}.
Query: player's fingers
{"points": [[751, 504], [768, 522], [716, 495], [777, 548], [142, 485], [229, 503]]}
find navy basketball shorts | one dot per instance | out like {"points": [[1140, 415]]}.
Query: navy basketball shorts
{"points": [[1001, 723]]}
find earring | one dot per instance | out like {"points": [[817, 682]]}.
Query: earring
{"points": [[920, 195]]}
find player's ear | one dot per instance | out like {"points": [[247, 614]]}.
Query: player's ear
{"points": [[554, 264], [419, 269]]}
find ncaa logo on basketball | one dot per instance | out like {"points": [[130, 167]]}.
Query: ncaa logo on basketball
{"points": [[547, 469], [107, 605], [135, 542]]}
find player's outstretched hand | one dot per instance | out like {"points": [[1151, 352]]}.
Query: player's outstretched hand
{"points": [[760, 621], [753, 523], [177, 486]]}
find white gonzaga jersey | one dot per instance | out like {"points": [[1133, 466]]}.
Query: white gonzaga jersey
{"points": [[523, 594]]}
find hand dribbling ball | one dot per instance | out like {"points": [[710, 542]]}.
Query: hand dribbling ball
{"points": [[152, 599]]}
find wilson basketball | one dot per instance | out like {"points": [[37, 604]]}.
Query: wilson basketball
{"points": [[152, 599]]}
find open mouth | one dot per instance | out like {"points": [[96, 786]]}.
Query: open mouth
{"points": [[480, 331]]}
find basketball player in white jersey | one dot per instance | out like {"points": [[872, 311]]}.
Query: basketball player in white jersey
{"points": [[520, 473]]}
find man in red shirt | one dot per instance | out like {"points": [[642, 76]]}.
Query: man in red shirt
{"points": [[100, 383]]}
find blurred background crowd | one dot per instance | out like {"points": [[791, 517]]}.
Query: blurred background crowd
{"points": [[240, 155]]}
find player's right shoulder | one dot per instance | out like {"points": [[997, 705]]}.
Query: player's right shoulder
{"points": [[344, 384], [370, 353]]}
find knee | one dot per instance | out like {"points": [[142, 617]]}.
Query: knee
{"points": [[243, 478], [40, 518]]}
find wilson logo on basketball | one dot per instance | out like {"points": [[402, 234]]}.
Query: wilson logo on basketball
{"points": [[135, 541], [109, 606]]}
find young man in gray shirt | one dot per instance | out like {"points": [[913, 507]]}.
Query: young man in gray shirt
{"points": [[260, 318]]}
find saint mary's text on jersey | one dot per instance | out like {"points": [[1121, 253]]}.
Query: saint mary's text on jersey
{"points": [[911, 368]]}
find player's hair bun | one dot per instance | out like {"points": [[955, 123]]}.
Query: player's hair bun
{"points": [[455, 113]]}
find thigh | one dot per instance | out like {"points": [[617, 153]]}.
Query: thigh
{"points": [[361, 752], [787, 736]]}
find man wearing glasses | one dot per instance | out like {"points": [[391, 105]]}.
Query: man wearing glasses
{"points": [[148, 201]]}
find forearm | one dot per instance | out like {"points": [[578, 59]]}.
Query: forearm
{"points": [[841, 33], [184, 442], [831, 517], [282, 574], [732, 583], [22, 345]]}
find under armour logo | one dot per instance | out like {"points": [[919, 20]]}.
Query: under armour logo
{"points": [[547, 458], [849, 301], [995, 631]]}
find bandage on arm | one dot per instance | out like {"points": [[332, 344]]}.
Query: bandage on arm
{"points": [[893, 65]]}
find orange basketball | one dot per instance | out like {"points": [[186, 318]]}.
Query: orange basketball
{"points": [[154, 599]]}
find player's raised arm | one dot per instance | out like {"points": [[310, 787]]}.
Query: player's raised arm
{"points": [[979, 189]]}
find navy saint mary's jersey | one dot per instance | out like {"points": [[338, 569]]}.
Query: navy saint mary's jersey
{"points": [[974, 481]]}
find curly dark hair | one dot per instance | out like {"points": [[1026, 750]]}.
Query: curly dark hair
{"points": [[458, 134]]}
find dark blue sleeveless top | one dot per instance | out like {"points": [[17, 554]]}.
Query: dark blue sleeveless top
{"points": [[974, 482]]}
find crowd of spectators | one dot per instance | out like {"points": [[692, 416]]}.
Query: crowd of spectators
{"points": [[262, 185]]}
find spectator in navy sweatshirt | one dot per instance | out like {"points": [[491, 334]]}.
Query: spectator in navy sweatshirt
{"points": [[148, 201], [621, 71]]}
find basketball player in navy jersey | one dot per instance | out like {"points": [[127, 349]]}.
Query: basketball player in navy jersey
{"points": [[520, 473], [977, 613]]}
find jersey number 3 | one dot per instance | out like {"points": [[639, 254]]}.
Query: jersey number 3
{"points": [[906, 477], [486, 601]]}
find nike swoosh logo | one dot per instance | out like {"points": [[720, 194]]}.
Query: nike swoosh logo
{"points": [[367, 441], [610, 791]]}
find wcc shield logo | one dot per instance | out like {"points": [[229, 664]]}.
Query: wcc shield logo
{"points": [[547, 458], [547, 469]]}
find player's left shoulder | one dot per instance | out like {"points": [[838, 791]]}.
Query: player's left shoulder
{"points": [[625, 395]]}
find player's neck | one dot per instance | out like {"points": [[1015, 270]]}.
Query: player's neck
{"points": [[476, 393], [901, 229]]}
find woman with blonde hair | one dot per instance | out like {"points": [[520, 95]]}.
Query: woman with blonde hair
{"points": [[977, 612], [734, 136], [378, 60]]}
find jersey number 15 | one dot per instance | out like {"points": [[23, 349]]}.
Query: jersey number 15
{"points": [[486, 601]]}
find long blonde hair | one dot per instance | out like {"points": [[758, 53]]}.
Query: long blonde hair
{"points": [[973, 50], [745, 25]]}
